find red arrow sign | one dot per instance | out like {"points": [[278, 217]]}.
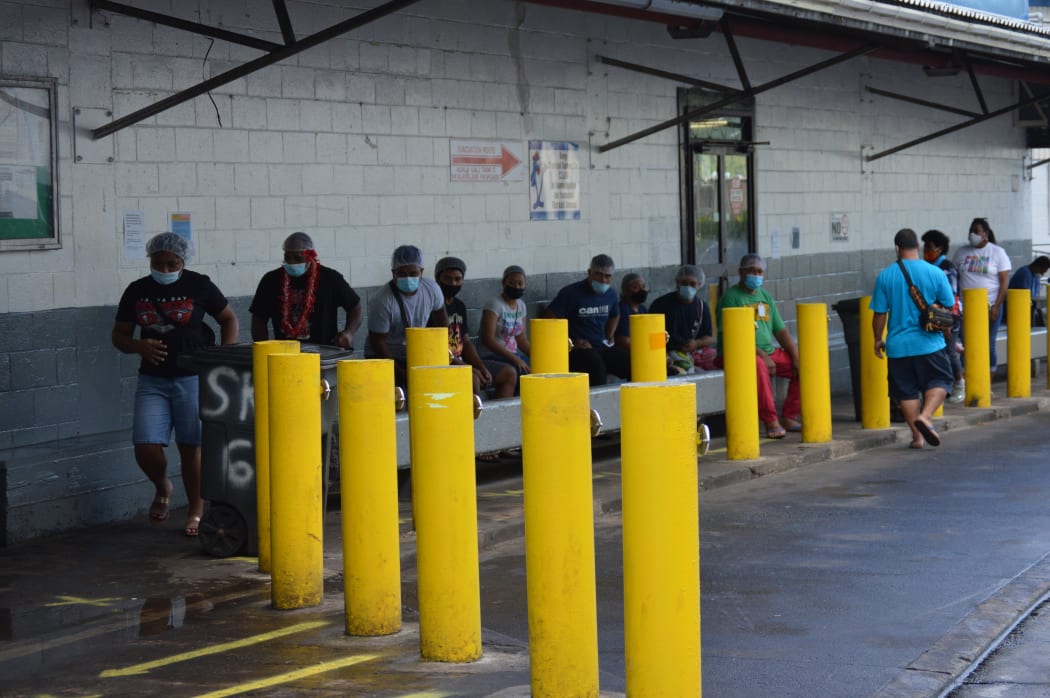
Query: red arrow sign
{"points": [[505, 160]]}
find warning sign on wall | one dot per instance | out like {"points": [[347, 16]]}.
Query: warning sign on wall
{"points": [[485, 161]]}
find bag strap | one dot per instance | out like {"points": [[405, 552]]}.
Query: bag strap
{"points": [[400, 304], [916, 297]]}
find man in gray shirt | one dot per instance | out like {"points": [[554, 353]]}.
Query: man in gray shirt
{"points": [[408, 300]]}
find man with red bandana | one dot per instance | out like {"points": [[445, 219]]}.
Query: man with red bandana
{"points": [[301, 300]]}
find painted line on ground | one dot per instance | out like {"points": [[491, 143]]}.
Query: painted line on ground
{"points": [[290, 676], [145, 667]]}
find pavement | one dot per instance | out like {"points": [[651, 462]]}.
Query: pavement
{"points": [[75, 609]]}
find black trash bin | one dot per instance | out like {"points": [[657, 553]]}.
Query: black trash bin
{"points": [[227, 410], [849, 313]]}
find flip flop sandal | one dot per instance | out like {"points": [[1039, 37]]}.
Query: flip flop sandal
{"points": [[776, 433], [192, 528], [932, 438], [158, 510]]}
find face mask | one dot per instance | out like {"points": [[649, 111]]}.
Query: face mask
{"points": [[295, 269], [164, 277], [513, 292], [639, 296], [599, 287], [931, 256], [975, 239], [753, 281], [449, 290], [687, 293], [408, 284]]}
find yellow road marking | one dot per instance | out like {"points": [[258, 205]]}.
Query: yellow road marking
{"points": [[290, 676], [145, 667], [81, 601]]}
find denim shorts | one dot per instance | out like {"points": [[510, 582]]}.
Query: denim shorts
{"points": [[163, 404]]}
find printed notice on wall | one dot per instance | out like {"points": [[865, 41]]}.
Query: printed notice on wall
{"points": [[840, 226], [485, 161], [554, 180], [18, 192], [182, 225], [134, 235]]}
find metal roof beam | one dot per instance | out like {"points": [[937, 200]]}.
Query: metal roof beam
{"points": [[284, 21], [976, 86], [735, 53], [186, 25], [696, 113], [656, 72], [958, 127], [921, 102], [252, 66]]}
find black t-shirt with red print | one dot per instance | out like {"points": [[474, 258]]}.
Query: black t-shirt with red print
{"points": [[333, 293], [173, 314]]}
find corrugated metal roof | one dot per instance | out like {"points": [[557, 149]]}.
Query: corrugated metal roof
{"points": [[973, 15]]}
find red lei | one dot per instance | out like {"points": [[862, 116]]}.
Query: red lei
{"points": [[299, 329]]}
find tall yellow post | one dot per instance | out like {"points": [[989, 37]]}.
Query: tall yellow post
{"points": [[661, 539], [977, 359], [814, 372], [1018, 342], [874, 375], [441, 431], [260, 385], [549, 341], [368, 493], [741, 383], [559, 535], [426, 346], [297, 526], [648, 348]]}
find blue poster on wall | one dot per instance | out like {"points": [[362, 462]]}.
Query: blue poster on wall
{"points": [[554, 180], [1018, 9]]}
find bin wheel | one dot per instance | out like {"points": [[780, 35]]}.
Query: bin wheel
{"points": [[223, 532]]}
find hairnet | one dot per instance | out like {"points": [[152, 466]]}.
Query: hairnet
{"points": [[406, 255], [169, 242], [298, 241], [690, 271], [752, 260]]}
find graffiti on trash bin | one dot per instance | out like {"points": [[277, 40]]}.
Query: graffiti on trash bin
{"points": [[230, 395], [242, 471]]}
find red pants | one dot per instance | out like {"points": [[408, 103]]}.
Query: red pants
{"points": [[767, 406]]}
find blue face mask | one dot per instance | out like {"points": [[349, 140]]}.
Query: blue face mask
{"points": [[165, 277], [686, 293], [408, 284], [295, 269], [753, 281], [599, 287]]}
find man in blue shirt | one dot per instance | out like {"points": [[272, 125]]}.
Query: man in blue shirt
{"points": [[592, 310], [920, 374], [1029, 277]]}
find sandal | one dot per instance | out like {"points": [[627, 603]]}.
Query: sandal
{"points": [[932, 438], [158, 510], [192, 528], [793, 425], [777, 432]]}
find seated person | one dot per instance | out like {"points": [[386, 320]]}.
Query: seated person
{"points": [[301, 300], [687, 320], [502, 377], [503, 323], [781, 361], [591, 308], [633, 292], [408, 300]]}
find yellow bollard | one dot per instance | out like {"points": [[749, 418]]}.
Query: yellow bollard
{"points": [[296, 521], [261, 350], [559, 534], [648, 348], [549, 340], [977, 359], [368, 492], [814, 372], [661, 539], [441, 429], [1018, 342], [426, 346], [874, 375], [741, 383]]}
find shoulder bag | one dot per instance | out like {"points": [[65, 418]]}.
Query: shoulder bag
{"points": [[932, 316]]}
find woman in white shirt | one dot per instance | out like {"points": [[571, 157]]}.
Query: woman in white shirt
{"points": [[983, 264]]}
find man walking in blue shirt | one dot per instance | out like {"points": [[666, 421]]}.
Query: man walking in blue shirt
{"points": [[920, 374]]}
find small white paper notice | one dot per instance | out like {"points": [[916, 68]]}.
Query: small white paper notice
{"points": [[134, 235], [774, 244]]}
